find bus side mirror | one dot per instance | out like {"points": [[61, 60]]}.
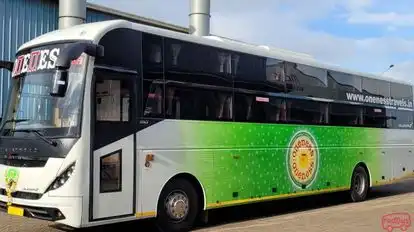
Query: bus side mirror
{"points": [[7, 65], [70, 53]]}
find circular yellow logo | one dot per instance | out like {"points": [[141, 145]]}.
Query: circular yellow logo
{"points": [[302, 157]]}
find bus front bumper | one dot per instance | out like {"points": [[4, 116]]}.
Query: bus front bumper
{"points": [[64, 210]]}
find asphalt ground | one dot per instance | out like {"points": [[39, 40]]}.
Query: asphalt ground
{"points": [[327, 212]]}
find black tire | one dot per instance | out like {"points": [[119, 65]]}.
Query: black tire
{"points": [[178, 187], [359, 184]]}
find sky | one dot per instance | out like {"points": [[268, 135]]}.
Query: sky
{"points": [[361, 35]]}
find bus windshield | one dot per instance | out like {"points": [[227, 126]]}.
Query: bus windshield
{"points": [[31, 107]]}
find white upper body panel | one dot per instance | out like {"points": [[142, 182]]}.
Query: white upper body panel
{"points": [[95, 31]]}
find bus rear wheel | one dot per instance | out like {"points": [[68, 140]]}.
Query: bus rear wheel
{"points": [[359, 184], [178, 206]]}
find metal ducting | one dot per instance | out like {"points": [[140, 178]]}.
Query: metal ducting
{"points": [[71, 13], [199, 17]]}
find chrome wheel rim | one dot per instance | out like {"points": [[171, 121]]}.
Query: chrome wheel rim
{"points": [[359, 185], [177, 205]]}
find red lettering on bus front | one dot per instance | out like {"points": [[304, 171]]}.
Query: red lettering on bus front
{"points": [[34, 61], [18, 65]]}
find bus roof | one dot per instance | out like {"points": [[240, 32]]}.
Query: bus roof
{"points": [[95, 31]]}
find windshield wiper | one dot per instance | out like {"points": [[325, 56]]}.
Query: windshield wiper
{"points": [[13, 120], [36, 132], [16, 120]]}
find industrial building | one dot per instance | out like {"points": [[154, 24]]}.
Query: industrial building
{"points": [[23, 20]]}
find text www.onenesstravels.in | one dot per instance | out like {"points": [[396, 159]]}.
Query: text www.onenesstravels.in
{"points": [[355, 97]]}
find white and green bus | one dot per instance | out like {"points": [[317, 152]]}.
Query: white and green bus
{"points": [[116, 121]]}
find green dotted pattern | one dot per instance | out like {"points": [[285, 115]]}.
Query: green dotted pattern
{"points": [[236, 161]]}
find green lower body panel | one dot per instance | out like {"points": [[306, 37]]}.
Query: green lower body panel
{"points": [[237, 162]]}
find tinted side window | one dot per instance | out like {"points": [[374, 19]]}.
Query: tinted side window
{"points": [[306, 111], [190, 62], [342, 84], [375, 117], [375, 87], [345, 82], [153, 99], [344, 114], [403, 119], [254, 108], [259, 74], [152, 55], [185, 102], [275, 70], [111, 173], [119, 51], [306, 81], [153, 76], [275, 75], [403, 94], [115, 106], [251, 67]]}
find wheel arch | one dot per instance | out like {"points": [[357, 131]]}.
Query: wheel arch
{"points": [[365, 166], [194, 181]]}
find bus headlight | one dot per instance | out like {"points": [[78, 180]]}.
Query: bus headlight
{"points": [[62, 178]]}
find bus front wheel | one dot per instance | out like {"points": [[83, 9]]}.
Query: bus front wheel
{"points": [[178, 206], [359, 184]]}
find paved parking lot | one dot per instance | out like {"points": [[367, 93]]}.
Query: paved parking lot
{"points": [[318, 213]]}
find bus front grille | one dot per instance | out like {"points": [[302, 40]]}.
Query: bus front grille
{"points": [[22, 195]]}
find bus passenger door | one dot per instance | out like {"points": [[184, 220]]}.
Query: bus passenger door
{"points": [[114, 127]]}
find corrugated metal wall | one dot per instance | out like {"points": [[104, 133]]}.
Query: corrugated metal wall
{"points": [[22, 20], [96, 16]]}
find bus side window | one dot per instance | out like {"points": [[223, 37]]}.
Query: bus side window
{"points": [[307, 111], [375, 117], [344, 114], [402, 119], [115, 101], [242, 105], [224, 106], [172, 103], [281, 112], [197, 104], [108, 100], [252, 108], [153, 105]]}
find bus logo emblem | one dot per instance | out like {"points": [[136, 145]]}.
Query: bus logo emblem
{"points": [[302, 159]]}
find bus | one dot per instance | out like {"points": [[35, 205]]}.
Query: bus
{"points": [[115, 121]]}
